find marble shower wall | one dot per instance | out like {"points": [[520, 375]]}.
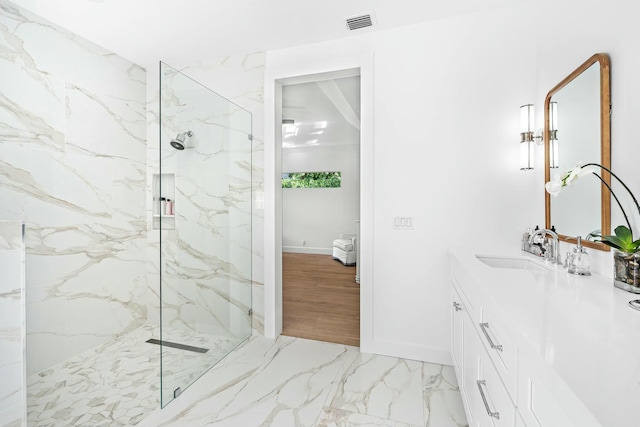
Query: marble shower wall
{"points": [[240, 79], [12, 367], [72, 167]]}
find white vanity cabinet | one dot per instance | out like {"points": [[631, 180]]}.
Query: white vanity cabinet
{"points": [[486, 400], [523, 348]]}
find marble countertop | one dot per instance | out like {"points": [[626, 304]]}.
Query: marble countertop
{"points": [[581, 327]]}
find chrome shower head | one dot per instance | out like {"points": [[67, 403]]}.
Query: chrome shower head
{"points": [[178, 141], [175, 143]]}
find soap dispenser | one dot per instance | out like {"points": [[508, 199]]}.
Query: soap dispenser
{"points": [[578, 262]]}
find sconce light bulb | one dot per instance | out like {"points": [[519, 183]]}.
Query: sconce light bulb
{"points": [[526, 118], [526, 137], [526, 156], [553, 116]]}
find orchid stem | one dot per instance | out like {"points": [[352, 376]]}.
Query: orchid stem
{"points": [[622, 183], [616, 199]]}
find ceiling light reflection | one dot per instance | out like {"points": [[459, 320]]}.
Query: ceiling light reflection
{"points": [[289, 129]]}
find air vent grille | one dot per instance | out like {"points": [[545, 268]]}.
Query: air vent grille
{"points": [[359, 22]]}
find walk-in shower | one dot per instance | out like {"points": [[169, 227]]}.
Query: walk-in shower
{"points": [[132, 274], [179, 141]]}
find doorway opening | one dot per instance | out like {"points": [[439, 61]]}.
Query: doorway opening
{"points": [[320, 203]]}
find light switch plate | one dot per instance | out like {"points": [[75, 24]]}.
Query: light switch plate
{"points": [[403, 223]]}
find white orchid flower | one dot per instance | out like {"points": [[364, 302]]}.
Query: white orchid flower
{"points": [[554, 187], [571, 176], [561, 180]]}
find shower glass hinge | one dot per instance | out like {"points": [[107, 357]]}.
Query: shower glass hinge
{"points": [[177, 392], [250, 137], [250, 312]]}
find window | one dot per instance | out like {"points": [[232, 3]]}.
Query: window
{"points": [[311, 180]]}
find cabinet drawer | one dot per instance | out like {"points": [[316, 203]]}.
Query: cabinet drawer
{"points": [[539, 406], [470, 365], [486, 401], [495, 406], [501, 349]]}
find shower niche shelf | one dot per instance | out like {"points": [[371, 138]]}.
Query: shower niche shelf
{"points": [[164, 205]]}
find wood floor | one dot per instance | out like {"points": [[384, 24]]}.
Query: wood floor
{"points": [[321, 300]]}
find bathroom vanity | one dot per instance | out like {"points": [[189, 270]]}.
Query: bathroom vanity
{"points": [[534, 346]]}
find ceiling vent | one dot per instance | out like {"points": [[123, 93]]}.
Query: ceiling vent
{"points": [[358, 22]]}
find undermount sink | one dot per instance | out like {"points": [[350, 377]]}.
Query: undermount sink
{"points": [[507, 262]]}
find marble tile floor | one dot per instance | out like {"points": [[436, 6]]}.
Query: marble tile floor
{"points": [[294, 382], [118, 382]]}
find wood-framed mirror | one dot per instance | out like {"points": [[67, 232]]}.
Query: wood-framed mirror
{"points": [[577, 130]]}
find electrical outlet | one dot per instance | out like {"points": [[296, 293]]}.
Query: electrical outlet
{"points": [[403, 223]]}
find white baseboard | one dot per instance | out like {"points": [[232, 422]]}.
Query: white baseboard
{"points": [[307, 250], [408, 351]]}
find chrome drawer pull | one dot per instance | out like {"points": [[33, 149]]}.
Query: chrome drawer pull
{"points": [[495, 415], [457, 306], [484, 327]]}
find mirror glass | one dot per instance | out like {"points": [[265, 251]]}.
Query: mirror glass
{"points": [[577, 131]]}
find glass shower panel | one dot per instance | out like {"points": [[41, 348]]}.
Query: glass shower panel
{"points": [[202, 209]]}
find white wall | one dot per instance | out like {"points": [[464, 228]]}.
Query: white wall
{"points": [[317, 216], [445, 152]]}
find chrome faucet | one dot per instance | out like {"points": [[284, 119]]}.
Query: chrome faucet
{"points": [[551, 252]]}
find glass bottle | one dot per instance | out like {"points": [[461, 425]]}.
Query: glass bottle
{"points": [[579, 262]]}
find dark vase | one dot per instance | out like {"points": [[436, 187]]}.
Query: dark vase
{"points": [[626, 271]]}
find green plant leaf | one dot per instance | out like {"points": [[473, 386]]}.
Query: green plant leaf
{"points": [[622, 240], [624, 233]]}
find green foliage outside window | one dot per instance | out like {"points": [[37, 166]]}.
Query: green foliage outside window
{"points": [[311, 180]]}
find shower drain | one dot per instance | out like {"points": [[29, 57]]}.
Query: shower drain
{"points": [[178, 345]]}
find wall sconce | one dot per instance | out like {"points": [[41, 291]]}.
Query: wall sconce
{"points": [[527, 137], [553, 135]]}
